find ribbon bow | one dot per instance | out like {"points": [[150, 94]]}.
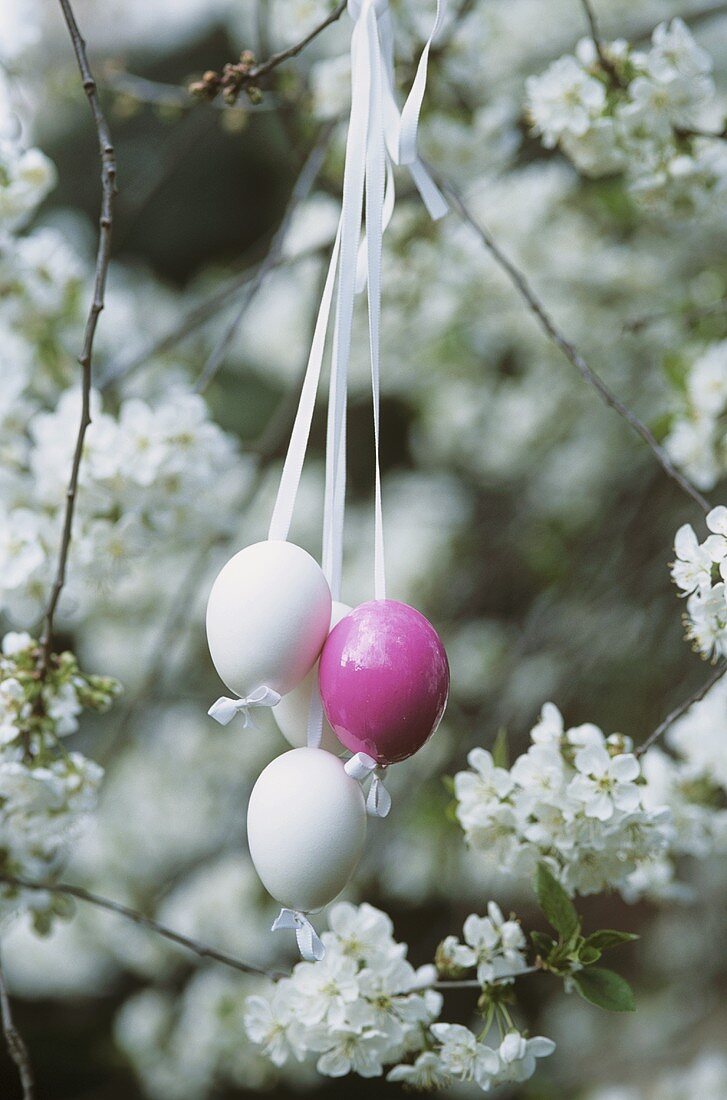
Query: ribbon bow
{"points": [[223, 710], [309, 942], [361, 765]]}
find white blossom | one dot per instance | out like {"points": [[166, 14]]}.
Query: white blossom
{"points": [[570, 799], [634, 115]]}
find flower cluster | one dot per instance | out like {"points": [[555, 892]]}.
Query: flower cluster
{"points": [[461, 1056], [697, 439], [162, 471], [492, 944], [364, 1007], [45, 792], [700, 574], [641, 112], [573, 800]]}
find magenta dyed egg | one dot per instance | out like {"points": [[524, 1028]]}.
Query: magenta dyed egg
{"points": [[384, 680]]}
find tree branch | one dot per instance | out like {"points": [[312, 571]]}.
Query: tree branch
{"points": [[671, 718], [15, 1042], [245, 75], [202, 950], [103, 256], [526, 292]]}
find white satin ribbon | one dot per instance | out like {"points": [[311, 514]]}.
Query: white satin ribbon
{"points": [[309, 943], [359, 767], [223, 710], [374, 115]]}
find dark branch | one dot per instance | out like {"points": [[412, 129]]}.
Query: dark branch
{"points": [[521, 284], [245, 75], [202, 950], [15, 1042], [673, 715], [80, 894], [103, 256]]}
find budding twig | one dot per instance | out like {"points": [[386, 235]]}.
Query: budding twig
{"points": [[103, 256], [245, 75]]}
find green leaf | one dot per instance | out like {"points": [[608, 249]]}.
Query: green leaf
{"points": [[500, 750], [605, 989], [557, 907], [588, 954], [543, 944], [448, 783], [608, 937]]}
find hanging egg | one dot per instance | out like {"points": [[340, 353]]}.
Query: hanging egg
{"points": [[384, 680], [306, 828], [293, 710], [268, 615]]}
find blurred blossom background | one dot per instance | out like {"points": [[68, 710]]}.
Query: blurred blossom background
{"points": [[523, 517]]}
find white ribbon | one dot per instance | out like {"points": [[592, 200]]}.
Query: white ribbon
{"points": [[309, 943], [359, 767], [223, 710], [375, 119]]}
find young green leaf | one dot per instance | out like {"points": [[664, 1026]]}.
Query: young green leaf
{"points": [[605, 989], [557, 907], [608, 937], [500, 750]]}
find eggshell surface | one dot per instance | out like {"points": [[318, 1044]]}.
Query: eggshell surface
{"points": [[384, 680], [306, 828], [268, 615], [291, 713]]}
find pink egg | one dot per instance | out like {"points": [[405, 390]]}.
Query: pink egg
{"points": [[384, 680]]}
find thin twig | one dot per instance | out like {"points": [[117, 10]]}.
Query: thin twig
{"points": [[202, 950], [15, 1043], [671, 718], [103, 256], [301, 190], [521, 284], [689, 317], [245, 75], [473, 983], [606, 63], [285, 55], [198, 316]]}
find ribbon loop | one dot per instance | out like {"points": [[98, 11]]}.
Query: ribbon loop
{"points": [[359, 767], [309, 943], [223, 710], [378, 802]]}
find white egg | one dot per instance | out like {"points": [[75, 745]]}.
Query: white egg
{"points": [[292, 711], [306, 828], [268, 616]]}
